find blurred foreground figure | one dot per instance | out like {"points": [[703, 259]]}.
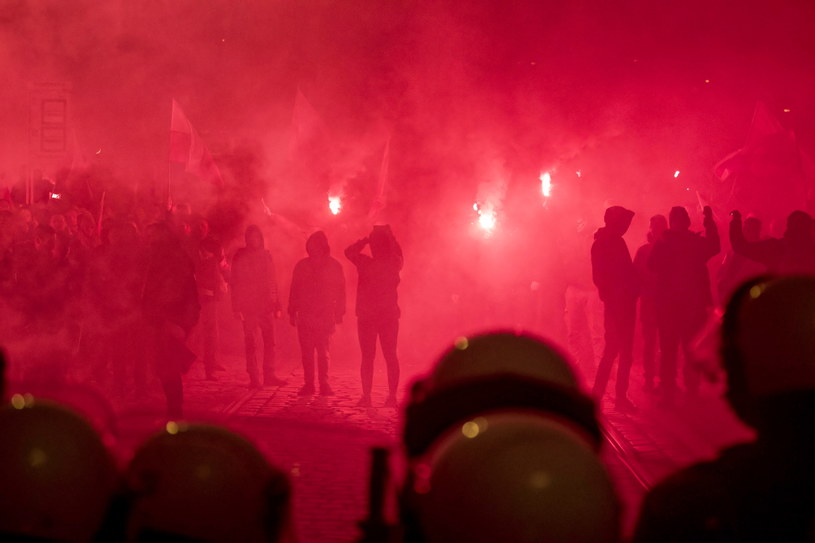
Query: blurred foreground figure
{"points": [[256, 304], [56, 476], [684, 298], [170, 307], [618, 285], [759, 491], [794, 253], [204, 483], [316, 306], [502, 446], [377, 306]]}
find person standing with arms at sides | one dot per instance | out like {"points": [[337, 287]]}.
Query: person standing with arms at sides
{"points": [[256, 304], [618, 285], [648, 311], [377, 307], [316, 306]]}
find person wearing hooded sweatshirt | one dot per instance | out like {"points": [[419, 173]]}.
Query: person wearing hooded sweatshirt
{"points": [[377, 308], [256, 304], [618, 286], [316, 305], [794, 253], [683, 296]]}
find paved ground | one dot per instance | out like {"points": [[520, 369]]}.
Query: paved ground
{"points": [[324, 443]]}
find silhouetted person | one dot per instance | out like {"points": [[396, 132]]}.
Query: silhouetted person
{"points": [[113, 325], [209, 274], [617, 283], [170, 307], [762, 490], [737, 268], [316, 306], [792, 254], [679, 260], [377, 307], [648, 303], [256, 304]]}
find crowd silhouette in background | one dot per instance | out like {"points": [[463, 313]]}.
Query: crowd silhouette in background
{"points": [[500, 442]]}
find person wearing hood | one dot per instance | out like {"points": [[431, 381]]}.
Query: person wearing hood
{"points": [[648, 312], [684, 298], [618, 286], [256, 304], [377, 308], [794, 253], [316, 305]]}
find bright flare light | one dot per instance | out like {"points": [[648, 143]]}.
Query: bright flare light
{"points": [[676, 174], [546, 184], [486, 217], [334, 204]]}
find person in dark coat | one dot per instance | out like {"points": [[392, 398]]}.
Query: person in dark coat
{"points": [[170, 308], [256, 304], [648, 290], [316, 306], [377, 306], [684, 297], [759, 490], [794, 253], [209, 274], [617, 284]]}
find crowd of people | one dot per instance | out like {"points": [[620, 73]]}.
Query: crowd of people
{"points": [[125, 293], [500, 442], [669, 277]]}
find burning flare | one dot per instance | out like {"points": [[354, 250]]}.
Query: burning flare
{"points": [[334, 204]]}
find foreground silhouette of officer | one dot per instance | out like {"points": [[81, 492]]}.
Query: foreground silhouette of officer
{"points": [[758, 491]]}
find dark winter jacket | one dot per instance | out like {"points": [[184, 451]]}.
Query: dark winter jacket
{"points": [[254, 287], [679, 260], [317, 295], [378, 276], [612, 270]]}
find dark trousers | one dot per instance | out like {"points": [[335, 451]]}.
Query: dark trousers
{"points": [[388, 331], [678, 330], [649, 348], [209, 332], [314, 339], [619, 317], [265, 323]]}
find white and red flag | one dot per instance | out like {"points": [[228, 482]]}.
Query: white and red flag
{"points": [[187, 147]]}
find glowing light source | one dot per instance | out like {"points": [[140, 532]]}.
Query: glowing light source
{"points": [[676, 174], [18, 401], [462, 343], [546, 184], [470, 429], [486, 219], [579, 173], [334, 204], [786, 110], [172, 428]]}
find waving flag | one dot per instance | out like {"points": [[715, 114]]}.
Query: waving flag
{"points": [[186, 147]]}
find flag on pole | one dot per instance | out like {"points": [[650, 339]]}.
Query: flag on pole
{"points": [[380, 200], [187, 147], [309, 133]]}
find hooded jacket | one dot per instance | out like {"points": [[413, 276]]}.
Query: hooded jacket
{"points": [[317, 295], [612, 270], [254, 287], [378, 275]]}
